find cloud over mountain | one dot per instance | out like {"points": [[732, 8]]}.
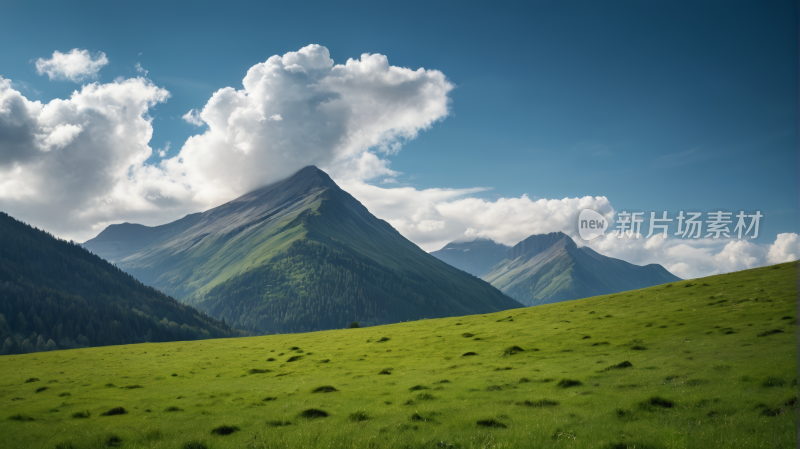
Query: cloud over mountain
{"points": [[75, 165]]}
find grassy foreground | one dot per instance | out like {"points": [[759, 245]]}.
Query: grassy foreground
{"points": [[704, 363]]}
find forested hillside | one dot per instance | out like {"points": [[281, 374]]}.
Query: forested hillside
{"points": [[56, 295]]}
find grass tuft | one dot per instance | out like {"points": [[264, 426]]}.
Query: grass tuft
{"points": [[625, 364], [172, 408], [770, 332], [81, 415], [467, 354], [491, 423], [358, 416], [538, 403], [259, 371], [324, 389], [511, 350], [115, 411], [418, 387], [41, 389], [32, 379], [657, 402], [278, 423], [224, 430], [20, 417], [313, 413], [773, 381], [113, 441], [567, 383], [294, 358]]}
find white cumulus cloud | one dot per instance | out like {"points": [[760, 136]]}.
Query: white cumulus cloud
{"points": [[785, 249], [163, 152], [434, 217], [75, 165], [72, 165], [76, 65], [300, 109]]}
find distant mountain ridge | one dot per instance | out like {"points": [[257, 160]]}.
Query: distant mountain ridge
{"points": [[474, 257], [551, 268], [57, 295], [298, 255]]}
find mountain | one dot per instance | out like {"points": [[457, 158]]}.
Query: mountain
{"points": [[297, 255], [56, 295], [474, 257], [549, 268]]}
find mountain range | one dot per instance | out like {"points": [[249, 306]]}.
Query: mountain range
{"points": [[549, 268], [298, 255], [57, 295]]}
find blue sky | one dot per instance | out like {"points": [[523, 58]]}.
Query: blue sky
{"points": [[656, 106]]}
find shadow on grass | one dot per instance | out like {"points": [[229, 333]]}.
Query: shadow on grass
{"points": [[491, 423], [313, 413], [115, 411], [224, 430]]}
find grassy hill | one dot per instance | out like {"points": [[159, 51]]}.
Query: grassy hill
{"points": [[702, 363]]}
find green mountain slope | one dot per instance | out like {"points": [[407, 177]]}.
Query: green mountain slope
{"points": [[549, 268], [706, 363], [55, 295], [298, 255]]}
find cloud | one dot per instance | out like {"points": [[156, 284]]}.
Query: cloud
{"points": [[785, 249], [141, 69], [76, 65], [300, 109], [432, 218], [193, 117], [163, 152], [75, 165], [72, 165], [685, 258]]}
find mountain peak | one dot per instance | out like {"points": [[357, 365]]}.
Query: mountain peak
{"points": [[300, 183], [535, 244]]}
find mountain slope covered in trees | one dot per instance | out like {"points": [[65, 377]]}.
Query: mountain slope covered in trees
{"points": [[298, 255], [56, 295]]}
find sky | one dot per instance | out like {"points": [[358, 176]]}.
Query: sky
{"points": [[450, 120]]}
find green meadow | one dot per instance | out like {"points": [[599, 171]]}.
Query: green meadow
{"points": [[703, 363]]}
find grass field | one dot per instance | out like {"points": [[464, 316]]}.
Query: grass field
{"points": [[704, 363]]}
